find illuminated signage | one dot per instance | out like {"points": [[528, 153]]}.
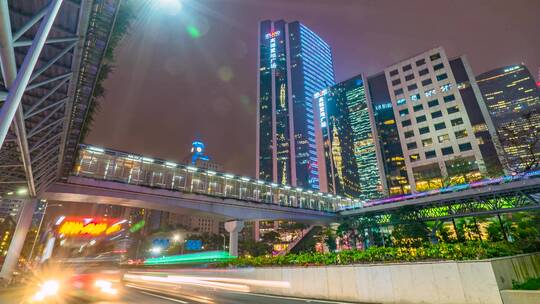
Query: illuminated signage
{"points": [[511, 69], [446, 87], [272, 36], [383, 106], [90, 227], [322, 108]]}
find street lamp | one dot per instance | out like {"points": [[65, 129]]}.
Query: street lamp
{"points": [[47, 205]]}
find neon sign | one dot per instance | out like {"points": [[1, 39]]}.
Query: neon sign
{"points": [[511, 69], [322, 107], [383, 106], [90, 227], [272, 36]]}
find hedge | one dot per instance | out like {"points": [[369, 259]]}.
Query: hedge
{"points": [[428, 252]]}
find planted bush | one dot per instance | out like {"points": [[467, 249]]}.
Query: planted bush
{"points": [[427, 252]]}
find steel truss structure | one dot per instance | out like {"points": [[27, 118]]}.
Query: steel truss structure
{"points": [[50, 54], [440, 211]]}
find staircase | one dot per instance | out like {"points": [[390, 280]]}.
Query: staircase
{"points": [[306, 234]]}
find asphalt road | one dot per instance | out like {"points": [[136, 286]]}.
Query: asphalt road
{"points": [[193, 296]]}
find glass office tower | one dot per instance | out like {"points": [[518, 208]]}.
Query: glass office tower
{"points": [[476, 109], [349, 149], [294, 64], [393, 162], [513, 100]]}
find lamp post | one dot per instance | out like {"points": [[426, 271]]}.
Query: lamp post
{"points": [[39, 228]]}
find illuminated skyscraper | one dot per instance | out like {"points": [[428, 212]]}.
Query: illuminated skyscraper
{"points": [[349, 149], [513, 101], [393, 162], [482, 125], [294, 64]]}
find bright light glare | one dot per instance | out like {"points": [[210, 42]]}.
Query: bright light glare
{"points": [[106, 287], [155, 250], [103, 284], [48, 288], [173, 7]]}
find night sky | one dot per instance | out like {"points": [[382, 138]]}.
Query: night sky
{"points": [[193, 75]]}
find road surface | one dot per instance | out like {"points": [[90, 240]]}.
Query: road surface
{"points": [[136, 295]]}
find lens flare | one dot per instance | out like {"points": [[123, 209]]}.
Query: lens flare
{"points": [[172, 7]]}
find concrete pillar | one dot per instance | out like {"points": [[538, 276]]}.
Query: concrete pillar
{"points": [[233, 227], [17, 242]]}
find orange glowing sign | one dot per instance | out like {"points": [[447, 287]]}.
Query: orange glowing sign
{"points": [[89, 227]]}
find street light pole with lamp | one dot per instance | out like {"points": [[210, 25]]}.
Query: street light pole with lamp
{"points": [[47, 205]]}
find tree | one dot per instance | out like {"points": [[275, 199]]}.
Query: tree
{"points": [[253, 248], [409, 230]]}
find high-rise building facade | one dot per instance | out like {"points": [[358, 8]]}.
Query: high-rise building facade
{"points": [[393, 163], [348, 146], [294, 64], [482, 125], [435, 131], [513, 100]]}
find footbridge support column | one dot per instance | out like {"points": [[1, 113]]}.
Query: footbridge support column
{"points": [[233, 227], [15, 247]]}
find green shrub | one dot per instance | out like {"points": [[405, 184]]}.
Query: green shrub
{"points": [[444, 251], [530, 284]]}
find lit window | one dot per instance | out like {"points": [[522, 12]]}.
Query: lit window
{"points": [[427, 142], [415, 97], [414, 157], [443, 138], [400, 101], [430, 93], [446, 87], [461, 134], [404, 112]]}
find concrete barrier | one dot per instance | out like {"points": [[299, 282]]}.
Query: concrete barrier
{"points": [[520, 296], [447, 282]]}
